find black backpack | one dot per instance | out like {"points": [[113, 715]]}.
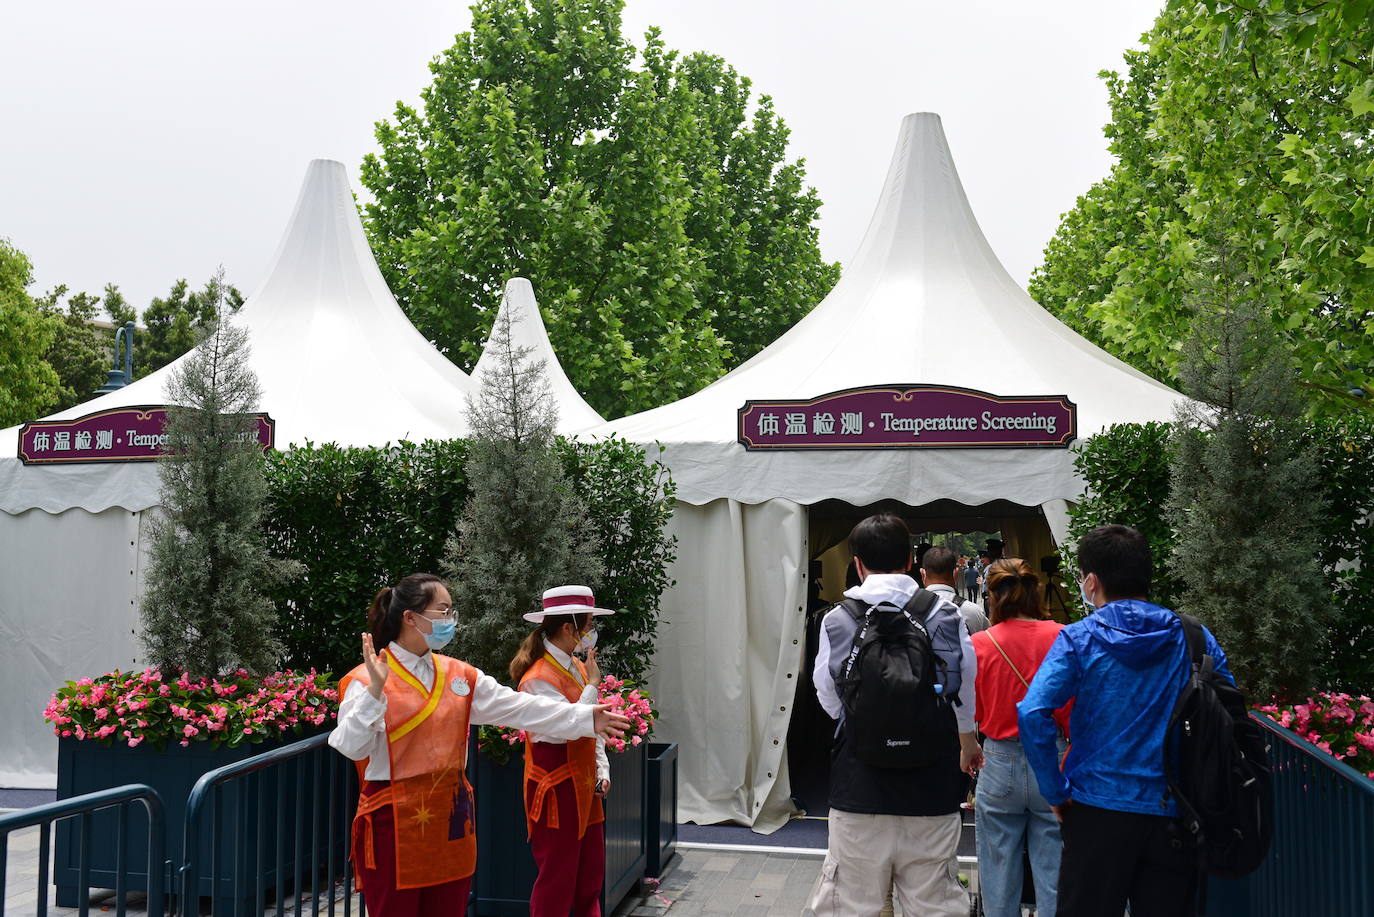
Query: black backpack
{"points": [[893, 716], [1216, 760]]}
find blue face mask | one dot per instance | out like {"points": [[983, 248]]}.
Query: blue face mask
{"points": [[442, 634], [1083, 593]]}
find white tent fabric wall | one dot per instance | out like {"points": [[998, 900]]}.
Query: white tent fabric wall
{"points": [[337, 361], [734, 621], [70, 581], [528, 332]]}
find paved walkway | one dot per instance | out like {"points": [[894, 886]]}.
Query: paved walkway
{"points": [[730, 884], [705, 882]]}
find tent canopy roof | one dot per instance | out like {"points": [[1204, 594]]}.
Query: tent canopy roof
{"points": [[925, 301], [336, 358], [527, 331]]}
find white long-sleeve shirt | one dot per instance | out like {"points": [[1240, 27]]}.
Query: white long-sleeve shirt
{"points": [[541, 688], [896, 589], [361, 730]]}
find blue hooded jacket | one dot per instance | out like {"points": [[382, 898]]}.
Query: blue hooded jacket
{"points": [[1126, 665]]}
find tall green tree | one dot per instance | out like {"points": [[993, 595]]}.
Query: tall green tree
{"points": [[1253, 120], [205, 607], [1244, 499], [27, 383], [524, 528], [648, 198]]}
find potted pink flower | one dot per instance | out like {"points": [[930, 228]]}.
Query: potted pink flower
{"points": [[1342, 725]]}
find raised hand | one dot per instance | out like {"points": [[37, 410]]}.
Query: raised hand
{"points": [[593, 670], [377, 669], [609, 724]]}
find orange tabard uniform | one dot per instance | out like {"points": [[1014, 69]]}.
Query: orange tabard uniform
{"points": [[541, 804], [429, 794]]}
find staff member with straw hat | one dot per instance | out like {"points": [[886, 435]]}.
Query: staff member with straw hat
{"points": [[564, 780], [404, 718]]}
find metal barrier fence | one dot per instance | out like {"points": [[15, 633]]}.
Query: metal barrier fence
{"points": [[278, 822], [1322, 858], [84, 808]]}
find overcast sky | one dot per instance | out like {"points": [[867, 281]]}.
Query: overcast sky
{"points": [[145, 141]]}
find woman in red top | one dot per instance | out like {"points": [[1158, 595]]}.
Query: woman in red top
{"points": [[1011, 813]]}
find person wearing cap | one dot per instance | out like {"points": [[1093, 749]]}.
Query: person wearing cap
{"points": [[404, 718], [564, 780]]}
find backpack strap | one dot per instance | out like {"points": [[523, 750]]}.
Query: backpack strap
{"points": [[862, 613], [1194, 641], [921, 603]]}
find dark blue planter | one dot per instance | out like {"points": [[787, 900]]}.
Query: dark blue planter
{"points": [[660, 823], [505, 866], [86, 766]]}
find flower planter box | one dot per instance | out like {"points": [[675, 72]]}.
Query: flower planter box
{"points": [[505, 866], [660, 822], [87, 766]]}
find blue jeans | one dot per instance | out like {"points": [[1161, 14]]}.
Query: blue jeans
{"points": [[1011, 815]]}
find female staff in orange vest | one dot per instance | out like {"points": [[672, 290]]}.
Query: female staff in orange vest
{"points": [[564, 781], [404, 718]]}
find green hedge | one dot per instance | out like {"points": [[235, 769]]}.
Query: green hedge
{"points": [[1126, 468], [359, 519]]}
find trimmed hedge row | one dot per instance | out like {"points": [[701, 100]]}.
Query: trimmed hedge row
{"points": [[360, 518]]}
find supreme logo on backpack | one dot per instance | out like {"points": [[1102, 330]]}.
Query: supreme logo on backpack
{"points": [[1217, 764], [893, 715]]}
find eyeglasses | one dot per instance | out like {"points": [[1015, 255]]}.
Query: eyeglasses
{"points": [[449, 612]]}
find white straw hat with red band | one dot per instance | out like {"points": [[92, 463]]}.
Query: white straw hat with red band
{"points": [[567, 600]]}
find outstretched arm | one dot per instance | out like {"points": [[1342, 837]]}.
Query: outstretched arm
{"points": [[496, 704]]}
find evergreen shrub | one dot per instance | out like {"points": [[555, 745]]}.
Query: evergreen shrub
{"points": [[1126, 469]]}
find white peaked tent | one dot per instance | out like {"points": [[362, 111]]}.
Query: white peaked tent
{"points": [[527, 331], [337, 361], [924, 301]]}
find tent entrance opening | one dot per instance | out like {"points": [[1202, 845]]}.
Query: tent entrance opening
{"points": [[964, 529]]}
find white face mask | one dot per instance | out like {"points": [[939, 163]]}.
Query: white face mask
{"points": [[586, 642]]}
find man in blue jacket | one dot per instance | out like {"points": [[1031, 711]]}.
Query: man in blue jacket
{"points": [[1125, 665]]}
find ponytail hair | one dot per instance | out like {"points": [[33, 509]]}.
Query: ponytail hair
{"points": [[532, 647], [389, 605], [1014, 592]]}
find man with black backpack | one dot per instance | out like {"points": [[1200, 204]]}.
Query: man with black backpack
{"points": [[896, 667], [1127, 665]]}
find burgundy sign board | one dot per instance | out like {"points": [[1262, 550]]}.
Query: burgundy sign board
{"points": [[910, 417], [129, 434]]}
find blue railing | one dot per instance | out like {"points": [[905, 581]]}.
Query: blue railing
{"points": [[1322, 858], [278, 822], [83, 808]]}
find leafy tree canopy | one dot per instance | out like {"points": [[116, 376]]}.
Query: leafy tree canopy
{"points": [[649, 201], [80, 350], [27, 382], [1253, 120], [172, 324]]}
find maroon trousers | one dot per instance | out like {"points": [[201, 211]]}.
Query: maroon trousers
{"points": [[571, 869], [380, 894]]}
